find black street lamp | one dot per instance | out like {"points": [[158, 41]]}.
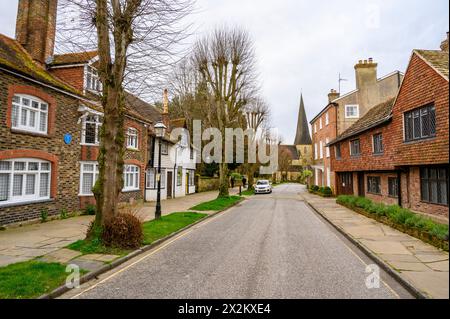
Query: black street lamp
{"points": [[160, 130]]}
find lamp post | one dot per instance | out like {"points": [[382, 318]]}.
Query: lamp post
{"points": [[160, 130]]}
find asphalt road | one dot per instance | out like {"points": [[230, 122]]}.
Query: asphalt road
{"points": [[270, 246]]}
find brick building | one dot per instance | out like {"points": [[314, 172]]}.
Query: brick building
{"points": [[50, 117], [342, 111], [398, 153]]}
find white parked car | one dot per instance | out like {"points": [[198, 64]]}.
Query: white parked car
{"points": [[263, 187]]}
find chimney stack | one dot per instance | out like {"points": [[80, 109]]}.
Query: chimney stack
{"points": [[333, 95], [36, 27], [366, 73], [444, 44]]}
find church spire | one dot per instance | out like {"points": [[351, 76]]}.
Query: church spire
{"points": [[302, 137]]}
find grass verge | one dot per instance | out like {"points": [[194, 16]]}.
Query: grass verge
{"points": [[248, 192], [217, 204], [31, 279], [153, 230], [157, 229], [400, 218]]}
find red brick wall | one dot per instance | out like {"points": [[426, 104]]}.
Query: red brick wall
{"points": [[327, 131], [411, 195], [384, 196], [71, 75], [65, 179], [422, 85], [367, 160]]}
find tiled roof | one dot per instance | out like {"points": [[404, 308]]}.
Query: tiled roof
{"points": [[377, 115], [291, 150], [15, 58], [141, 109], [437, 59], [73, 58]]}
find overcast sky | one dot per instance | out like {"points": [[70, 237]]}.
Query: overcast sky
{"points": [[303, 45]]}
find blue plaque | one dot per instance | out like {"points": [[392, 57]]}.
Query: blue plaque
{"points": [[67, 138]]}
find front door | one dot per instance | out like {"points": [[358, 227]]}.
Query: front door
{"points": [[361, 183], [169, 184], [345, 186]]}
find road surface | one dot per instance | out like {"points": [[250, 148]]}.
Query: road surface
{"points": [[269, 246]]}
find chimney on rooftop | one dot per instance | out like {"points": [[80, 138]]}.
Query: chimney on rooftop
{"points": [[165, 112], [366, 73], [444, 44], [333, 95], [36, 27]]}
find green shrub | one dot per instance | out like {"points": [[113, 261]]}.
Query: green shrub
{"points": [[44, 215], [327, 191], [402, 215], [314, 188], [64, 214], [90, 210], [440, 231], [321, 189], [376, 208], [363, 203]]}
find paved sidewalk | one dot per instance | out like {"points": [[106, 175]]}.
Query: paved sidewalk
{"points": [[423, 265], [49, 239]]}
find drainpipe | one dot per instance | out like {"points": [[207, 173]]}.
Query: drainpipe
{"points": [[399, 180]]}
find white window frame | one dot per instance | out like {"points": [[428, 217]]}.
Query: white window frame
{"points": [[321, 149], [132, 138], [347, 107], [91, 119], [327, 148], [36, 106], [316, 152], [164, 148], [95, 83], [131, 178], [320, 124], [12, 171], [152, 178], [94, 172], [315, 127], [327, 118]]}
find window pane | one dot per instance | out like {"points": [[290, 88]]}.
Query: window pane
{"points": [[425, 122], [34, 105], [43, 122], [45, 166], [44, 107], [23, 119], [88, 181], [5, 166], [30, 186], [4, 186], [443, 192], [32, 120], [433, 191], [26, 101], [88, 167], [19, 166], [423, 173], [90, 133], [15, 116], [433, 173], [432, 117], [17, 185], [33, 166], [44, 185], [424, 190]]}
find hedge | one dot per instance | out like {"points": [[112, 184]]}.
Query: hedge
{"points": [[400, 218]]}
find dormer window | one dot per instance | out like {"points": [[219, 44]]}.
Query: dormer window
{"points": [[92, 82]]}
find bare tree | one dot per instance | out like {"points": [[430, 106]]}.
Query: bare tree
{"points": [[133, 40], [225, 60], [257, 118]]}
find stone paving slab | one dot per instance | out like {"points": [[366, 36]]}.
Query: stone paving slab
{"points": [[423, 265], [35, 240], [63, 256], [89, 265], [99, 257]]}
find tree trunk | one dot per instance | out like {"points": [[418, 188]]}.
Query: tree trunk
{"points": [[110, 181], [223, 180], [251, 176]]}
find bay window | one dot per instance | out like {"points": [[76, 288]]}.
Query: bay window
{"points": [[24, 180], [29, 114]]}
